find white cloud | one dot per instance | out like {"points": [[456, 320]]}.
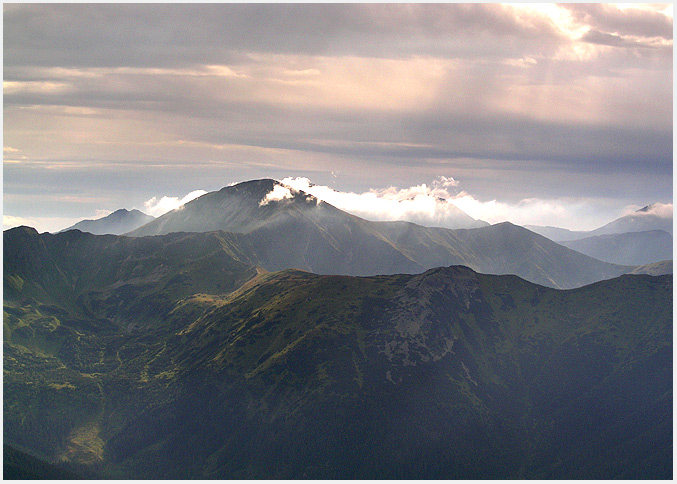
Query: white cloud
{"points": [[166, 204], [41, 224], [424, 204], [34, 87], [578, 214], [436, 205], [278, 193], [662, 210], [10, 221]]}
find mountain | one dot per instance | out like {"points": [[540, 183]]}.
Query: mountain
{"points": [[557, 234], [631, 248], [655, 269], [247, 206], [117, 223], [641, 221], [240, 208], [286, 228], [448, 374], [132, 278]]}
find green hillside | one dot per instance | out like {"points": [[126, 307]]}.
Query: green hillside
{"points": [[177, 358]]}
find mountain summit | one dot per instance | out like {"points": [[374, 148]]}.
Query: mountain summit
{"points": [[640, 221], [240, 208]]}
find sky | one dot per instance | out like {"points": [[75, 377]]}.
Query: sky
{"points": [[533, 113]]}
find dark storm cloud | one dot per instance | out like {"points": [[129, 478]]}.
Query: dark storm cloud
{"points": [[596, 37], [81, 35], [631, 21], [520, 100]]}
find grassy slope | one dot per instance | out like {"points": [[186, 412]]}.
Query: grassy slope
{"points": [[443, 374]]}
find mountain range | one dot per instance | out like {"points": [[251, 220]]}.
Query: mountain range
{"points": [[243, 208], [445, 374], [641, 221], [232, 339], [632, 248], [117, 223], [299, 231]]}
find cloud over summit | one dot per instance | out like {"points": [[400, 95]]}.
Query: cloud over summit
{"points": [[279, 192], [166, 204]]}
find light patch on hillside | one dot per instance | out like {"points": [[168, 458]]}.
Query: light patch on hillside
{"points": [[166, 204]]}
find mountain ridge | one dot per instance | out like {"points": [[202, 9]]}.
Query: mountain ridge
{"points": [[290, 228], [643, 221], [117, 223], [444, 374], [628, 248]]}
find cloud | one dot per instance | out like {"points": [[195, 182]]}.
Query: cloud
{"points": [[166, 204], [41, 224], [438, 204], [601, 38], [10, 221], [34, 87], [383, 93], [579, 214], [624, 21], [662, 210], [276, 194], [196, 34], [423, 204]]}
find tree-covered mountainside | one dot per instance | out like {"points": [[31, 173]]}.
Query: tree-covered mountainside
{"points": [[176, 357]]}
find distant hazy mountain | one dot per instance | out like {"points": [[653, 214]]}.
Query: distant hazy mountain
{"points": [[117, 223], [302, 232], [558, 234], [640, 221], [631, 248], [146, 358]]}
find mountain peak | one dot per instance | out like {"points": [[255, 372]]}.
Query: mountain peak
{"points": [[23, 229], [252, 185], [239, 208], [646, 209], [116, 223]]}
